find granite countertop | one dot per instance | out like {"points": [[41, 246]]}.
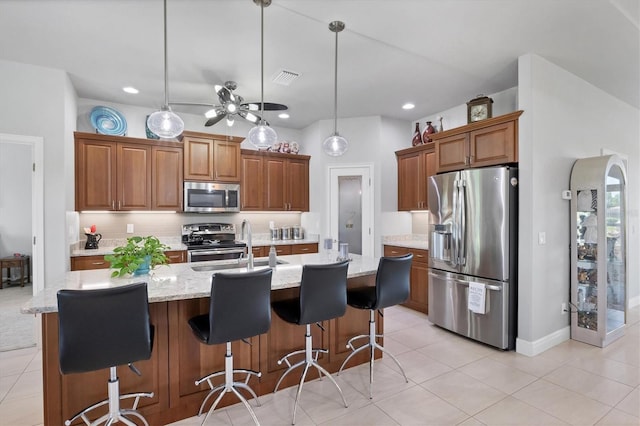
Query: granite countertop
{"points": [[268, 242], [178, 281], [416, 241]]}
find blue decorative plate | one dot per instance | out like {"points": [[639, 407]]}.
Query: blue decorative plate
{"points": [[108, 121]]}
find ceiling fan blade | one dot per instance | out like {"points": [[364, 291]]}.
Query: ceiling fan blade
{"points": [[214, 120], [268, 106], [249, 116], [191, 103]]}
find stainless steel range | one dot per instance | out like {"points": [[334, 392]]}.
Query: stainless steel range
{"points": [[211, 241]]}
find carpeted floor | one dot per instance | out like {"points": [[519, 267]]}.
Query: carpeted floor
{"points": [[16, 330]]}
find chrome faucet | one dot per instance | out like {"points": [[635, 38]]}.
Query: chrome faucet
{"points": [[247, 225]]}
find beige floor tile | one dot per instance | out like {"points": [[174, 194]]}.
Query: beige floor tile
{"points": [[417, 406], [611, 369], [505, 378], [15, 365], [562, 403], [22, 411], [590, 385], [36, 362], [276, 409], [418, 336], [536, 366], [464, 392], [631, 404], [626, 350], [417, 366], [618, 418], [456, 352], [386, 381], [6, 383], [28, 384], [569, 351], [471, 422], [369, 415], [511, 411], [394, 346], [18, 352]]}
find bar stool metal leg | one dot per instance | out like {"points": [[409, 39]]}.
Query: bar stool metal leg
{"points": [[372, 345]]}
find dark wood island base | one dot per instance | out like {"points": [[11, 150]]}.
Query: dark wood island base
{"points": [[178, 359]]}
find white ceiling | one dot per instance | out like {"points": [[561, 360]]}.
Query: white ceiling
{"points": [[434, 53]]}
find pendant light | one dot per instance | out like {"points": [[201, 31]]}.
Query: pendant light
{"points": [[262, 136], [165, 123], [335, 145]]}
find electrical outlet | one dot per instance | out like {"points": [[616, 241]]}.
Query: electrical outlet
{"points": [[129, 228], [564, 308], [542, 238]]}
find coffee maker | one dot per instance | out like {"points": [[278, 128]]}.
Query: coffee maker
{"points": [[92, 241]]}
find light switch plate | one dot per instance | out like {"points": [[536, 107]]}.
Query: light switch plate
{"points": [[129, 228], [542, 238]]}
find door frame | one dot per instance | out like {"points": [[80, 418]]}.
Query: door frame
{"points": [[37, 204], [365, 170]]}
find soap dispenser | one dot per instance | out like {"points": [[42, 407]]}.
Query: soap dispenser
{"points": [[272, 257]]}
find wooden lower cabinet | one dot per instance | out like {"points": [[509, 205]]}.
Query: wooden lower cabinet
{"points": [[178, 359], [418, 296], [83, 263], [286, 249]]}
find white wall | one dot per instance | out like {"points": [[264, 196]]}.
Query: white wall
{"points": [[15, 198], [565, 118], [36, 101]]}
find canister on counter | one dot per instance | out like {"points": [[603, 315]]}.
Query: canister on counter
{"points": [[298, 232], [276, 234], [286, 232]]}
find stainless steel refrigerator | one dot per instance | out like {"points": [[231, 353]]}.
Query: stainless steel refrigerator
{"points": [[473, 245]]}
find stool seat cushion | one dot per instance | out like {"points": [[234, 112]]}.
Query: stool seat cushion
{"points": [[288, 310], [362, 297]]}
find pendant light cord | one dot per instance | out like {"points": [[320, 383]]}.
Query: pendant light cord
{"points": [[166, 72], [262, 62], [335, 91]]}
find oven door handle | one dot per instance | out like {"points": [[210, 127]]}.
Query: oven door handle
{"points": [[216, 251]]}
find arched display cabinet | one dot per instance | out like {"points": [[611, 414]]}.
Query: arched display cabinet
{"points": [[598, 250]]}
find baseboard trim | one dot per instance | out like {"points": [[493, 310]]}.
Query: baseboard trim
{"points": [[633, 302], [536, 347]]}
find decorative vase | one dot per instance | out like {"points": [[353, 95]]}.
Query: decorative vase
{"points": [[429, 130], [417, 139], [144, 268]]}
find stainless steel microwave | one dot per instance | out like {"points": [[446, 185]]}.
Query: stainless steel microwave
{"points": [[209, 197]]}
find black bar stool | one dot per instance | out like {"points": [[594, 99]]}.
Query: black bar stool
{"points": [[392, 288], [105, 328], [239, 308], [323, 296]]}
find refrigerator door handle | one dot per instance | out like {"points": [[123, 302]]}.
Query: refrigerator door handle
{"points": [[462, 191], [463, 282], [454, 230]]}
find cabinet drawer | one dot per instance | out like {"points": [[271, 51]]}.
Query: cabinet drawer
{"points": [[176, 256], [83, 263], [283, 250], [260, 251], [395, 251], [304, 248]]}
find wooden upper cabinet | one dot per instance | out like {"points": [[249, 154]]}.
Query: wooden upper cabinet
{"points": [[274, 181], [252, 186], [211, 158], [166, 170], [483, 143], [415, 165], [116, 173]]}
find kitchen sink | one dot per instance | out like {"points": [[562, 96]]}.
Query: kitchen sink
{"points": [[223, 266]]}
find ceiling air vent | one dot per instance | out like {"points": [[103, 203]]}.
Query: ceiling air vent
{"points": [[285, 77]]}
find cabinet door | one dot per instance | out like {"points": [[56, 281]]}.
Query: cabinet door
{"points": [[166, 169], [95, 164], [493, 145], [84, 263], [452, 153], [226, 161], [198, 159], [274, 176], [282, 250], [176, 256], [252, 191], [418, 296], [133, 177], [409, 167], [260, 251], [297, 180], [304, 248]]}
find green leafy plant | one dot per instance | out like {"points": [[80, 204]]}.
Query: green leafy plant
{"points": [[126, 259]]}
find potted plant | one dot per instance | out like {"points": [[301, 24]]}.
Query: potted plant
{"points": [[138, 256]]}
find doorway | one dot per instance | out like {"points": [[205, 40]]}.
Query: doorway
{"points": [[351, 207]]}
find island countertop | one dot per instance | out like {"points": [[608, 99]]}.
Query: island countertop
{"points": [[179, 281]]}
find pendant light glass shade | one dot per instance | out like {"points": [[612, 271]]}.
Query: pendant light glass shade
{"points": [[165, 123], [262, 136], [335, 145]]}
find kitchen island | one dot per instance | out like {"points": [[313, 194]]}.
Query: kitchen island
{"points": [[177, 293]]}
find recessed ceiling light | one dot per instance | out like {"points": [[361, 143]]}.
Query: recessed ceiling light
{"points": [[408, 105], [283, 115], [131, 90]]}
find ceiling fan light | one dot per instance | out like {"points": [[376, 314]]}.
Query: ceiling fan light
{"points": [[165, 123], [253, 107], [335, 145], [251, 117], [211, 113], [232, 108], [262, 136], [217, 88], [230, 121]]}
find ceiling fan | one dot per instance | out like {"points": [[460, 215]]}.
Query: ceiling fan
{"points": [[232, 105]]}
